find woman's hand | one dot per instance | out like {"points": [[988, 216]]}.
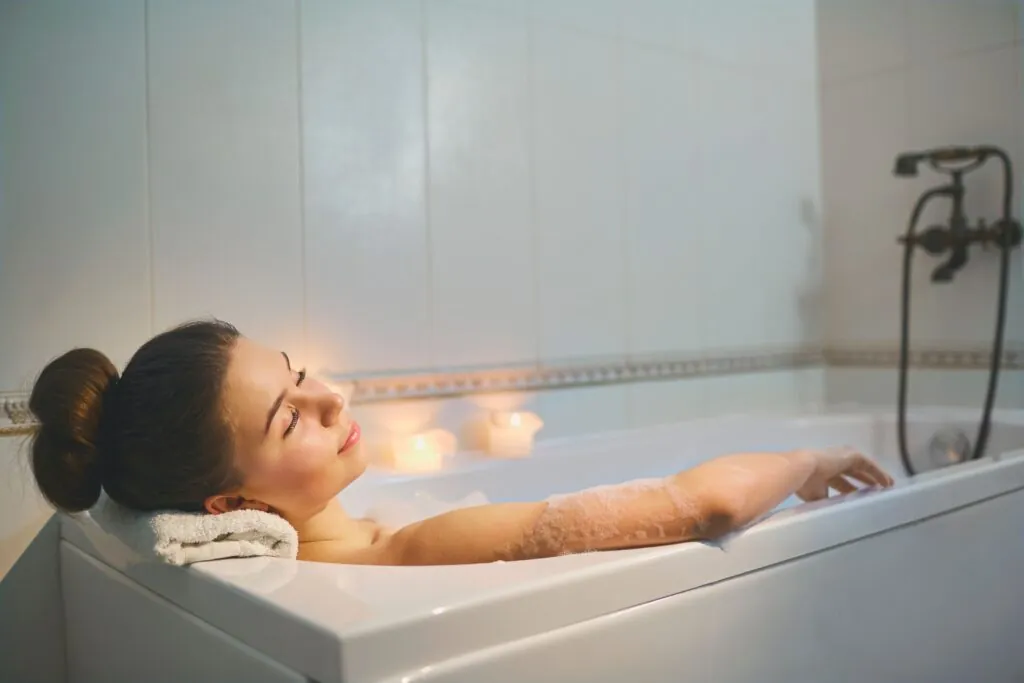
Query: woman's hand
{"points": [[834, 467]]}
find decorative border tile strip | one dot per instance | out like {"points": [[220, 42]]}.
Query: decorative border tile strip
{"points": [[437, 385], [964, 358], [19, 419], [547, 377]]}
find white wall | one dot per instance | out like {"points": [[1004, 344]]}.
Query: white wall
{"points": [[381, 187], [407, 185], [900, 75]]}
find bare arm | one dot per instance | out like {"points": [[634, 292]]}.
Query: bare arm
{"points": [[704, 502]]}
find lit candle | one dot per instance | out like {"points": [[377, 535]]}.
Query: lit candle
{"points": [[424, 452], [511, 434]]}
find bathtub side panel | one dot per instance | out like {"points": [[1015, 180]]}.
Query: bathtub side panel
{"points": [[937, 601], [119, 631]]}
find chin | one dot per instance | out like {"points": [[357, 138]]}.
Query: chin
{"points": [[357, 460], [355, 464]]}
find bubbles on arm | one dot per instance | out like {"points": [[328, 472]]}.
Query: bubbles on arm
{"points": [[632, 514]]}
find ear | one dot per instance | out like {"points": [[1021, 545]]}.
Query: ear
{"points": [[215, 505]]}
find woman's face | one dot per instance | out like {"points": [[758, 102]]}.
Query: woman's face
{"points": [[295, 446]]}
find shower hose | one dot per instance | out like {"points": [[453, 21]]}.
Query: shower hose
{"points": [[1005, 244]]}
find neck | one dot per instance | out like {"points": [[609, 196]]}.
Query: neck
{"points": [[331, 523]]}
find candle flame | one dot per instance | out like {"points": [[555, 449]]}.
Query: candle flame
{"points": [[515, 420]]}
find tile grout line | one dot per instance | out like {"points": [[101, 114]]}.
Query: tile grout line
{"points": [[301, 154], [147, 162], [428, 223], [531, 170]]}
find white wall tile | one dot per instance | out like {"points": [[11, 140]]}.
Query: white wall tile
{"points": [[810, 388], [514, 9], [943, 27], [479, 188], [74, 255], [224, 165], [860, 386], [22, 509], [1009, 389], [925, 387], [931, 99], [864, 265], [866, 125], [786, 218], [732, 190], [659, 23], [367, 279], [16, 543], [731, 394], [578, 192], [763, 392], [961, 388], [860, 38], [654, 403], [601, 17], [585, 410], [866, 206], [776, 35], [973, 99], [664, 196]]}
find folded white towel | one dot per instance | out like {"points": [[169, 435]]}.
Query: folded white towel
{"points": [[181, 538]]}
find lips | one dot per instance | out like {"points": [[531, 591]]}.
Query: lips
{"points": [[353, 437]]}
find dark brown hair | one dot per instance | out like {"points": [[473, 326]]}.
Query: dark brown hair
{"points": [[153, 438]]}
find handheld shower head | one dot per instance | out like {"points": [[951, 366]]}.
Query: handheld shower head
{"points": [[906, 165]]}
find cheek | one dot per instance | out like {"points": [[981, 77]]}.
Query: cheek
{"points": [[304, 461], [296, 468]]}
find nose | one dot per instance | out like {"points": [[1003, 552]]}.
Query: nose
{"points": [[331, 406], [336, 406]]}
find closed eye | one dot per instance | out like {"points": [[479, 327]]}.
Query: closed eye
{"points": [[295, 411]]}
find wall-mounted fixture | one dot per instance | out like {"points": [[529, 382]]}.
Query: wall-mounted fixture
{"points": [[955, 237]]}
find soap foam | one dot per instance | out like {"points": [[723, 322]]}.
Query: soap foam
{"points": [[631, 514]]}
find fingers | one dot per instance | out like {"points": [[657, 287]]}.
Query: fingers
{"points": [[861, 467], [842, 469], [869, 476], [841, 485], [872, 471]]}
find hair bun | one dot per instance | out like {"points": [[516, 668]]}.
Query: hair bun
{"points": [[68, 399]]}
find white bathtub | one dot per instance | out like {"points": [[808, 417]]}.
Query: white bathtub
{"points": [[923, 582]]}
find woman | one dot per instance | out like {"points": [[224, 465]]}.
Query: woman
{"points": [[204, 419]]}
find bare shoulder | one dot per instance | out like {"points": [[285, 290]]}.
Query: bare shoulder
{"points": [[483, 533], [369, 547]]}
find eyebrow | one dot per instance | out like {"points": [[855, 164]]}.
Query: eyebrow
{"points": [[277, 401]]}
